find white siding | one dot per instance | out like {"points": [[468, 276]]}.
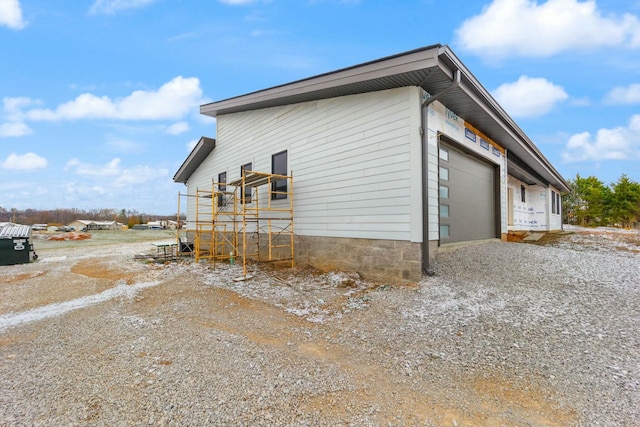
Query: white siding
{"points": [[351, 160], [555, 220]]}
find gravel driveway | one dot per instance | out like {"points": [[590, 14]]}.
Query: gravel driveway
{"points": [[505, 334]]}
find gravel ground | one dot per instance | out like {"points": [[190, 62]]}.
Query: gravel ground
{"points": [[505, 334]]}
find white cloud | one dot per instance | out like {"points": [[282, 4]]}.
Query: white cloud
{"points": [[529, 97], [115, 173], [14, 129], [172, 101], [539, 29], [29, 161], [111, 169], [140, 174], [13, 106], [11, 14], [124, 146], [110, 7], [620, 143], [624, 95], [177, 128]]}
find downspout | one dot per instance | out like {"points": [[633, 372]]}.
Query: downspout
{"points": [[426, 268]]}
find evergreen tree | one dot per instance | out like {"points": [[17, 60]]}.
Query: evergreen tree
{"points": [[625, 202]]}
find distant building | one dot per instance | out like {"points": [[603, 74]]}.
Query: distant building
{"points": [[164, 224], [88, 225]]}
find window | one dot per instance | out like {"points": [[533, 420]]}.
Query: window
{"points": [[279, 167], [555, 202], [246, 196], [222, 177], [444, 173], [444, 154], [444, 211], [444, 192], [523, 196], [444, 232]]}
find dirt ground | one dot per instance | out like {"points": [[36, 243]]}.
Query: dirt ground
{"points": [[71, 271]]}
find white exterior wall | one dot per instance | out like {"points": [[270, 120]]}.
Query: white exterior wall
{"points": [[534, 213], [444, 121], [555, 220], [351, 159]]}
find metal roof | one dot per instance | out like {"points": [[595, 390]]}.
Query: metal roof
{"points": [[195, 158], [431, 68], [10, 231]]}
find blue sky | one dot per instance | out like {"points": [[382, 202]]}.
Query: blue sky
{"points": [[100, 99]]}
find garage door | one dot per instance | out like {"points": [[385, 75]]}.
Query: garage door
{"points": [[467, 196]]}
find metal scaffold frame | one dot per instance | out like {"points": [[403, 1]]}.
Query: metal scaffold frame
{"points": [[240, 221]]}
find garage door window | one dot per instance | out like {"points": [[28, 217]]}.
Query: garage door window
{"points": [[444, 211], [444, 231], [444, 154]]}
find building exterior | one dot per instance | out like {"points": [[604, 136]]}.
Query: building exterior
{"points": [[88, 225], [391, 159]]}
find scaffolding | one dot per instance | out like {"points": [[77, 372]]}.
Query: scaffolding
{"points": [[246, 220]]}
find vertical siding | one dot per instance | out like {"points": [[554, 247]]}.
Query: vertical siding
{"points": [[351, 159]]}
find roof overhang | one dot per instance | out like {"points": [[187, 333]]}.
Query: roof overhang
{"points": [[200, 152], [432, 68], [524, 173]]}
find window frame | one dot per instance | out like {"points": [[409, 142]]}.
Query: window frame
{"points": [[279, 186], [222, 178], [245, 197]]}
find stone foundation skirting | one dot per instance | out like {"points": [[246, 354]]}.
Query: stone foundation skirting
{"points": [[380, 260]]}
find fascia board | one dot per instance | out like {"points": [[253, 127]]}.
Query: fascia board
{"points": [[412, 61]]}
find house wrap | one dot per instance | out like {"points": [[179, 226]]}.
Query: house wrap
{"points": [[391, 160]]}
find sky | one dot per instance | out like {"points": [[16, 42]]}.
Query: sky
{"points": [[100, 98]]}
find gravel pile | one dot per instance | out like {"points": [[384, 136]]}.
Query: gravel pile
{"points": [[504, 334]]}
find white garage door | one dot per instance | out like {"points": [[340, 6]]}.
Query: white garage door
{"points": [[467, 196]]}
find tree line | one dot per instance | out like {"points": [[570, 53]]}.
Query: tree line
{"points": [[592, 203], [65, 216]]}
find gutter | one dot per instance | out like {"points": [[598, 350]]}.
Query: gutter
{"points": [[426, 268]]}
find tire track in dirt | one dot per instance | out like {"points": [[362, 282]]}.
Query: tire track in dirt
{"points": [[490, 400], [57, 284]]}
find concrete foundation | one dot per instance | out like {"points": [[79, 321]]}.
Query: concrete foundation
{"points": [[381, 260]]}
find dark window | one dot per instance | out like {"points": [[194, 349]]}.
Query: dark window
{"points": [[553, 202], [222, 177], [558, 203], [523, 196], [246, 196], [279, 167]]}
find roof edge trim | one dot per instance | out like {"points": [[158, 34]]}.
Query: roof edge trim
{"points": [[200, 152]]}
